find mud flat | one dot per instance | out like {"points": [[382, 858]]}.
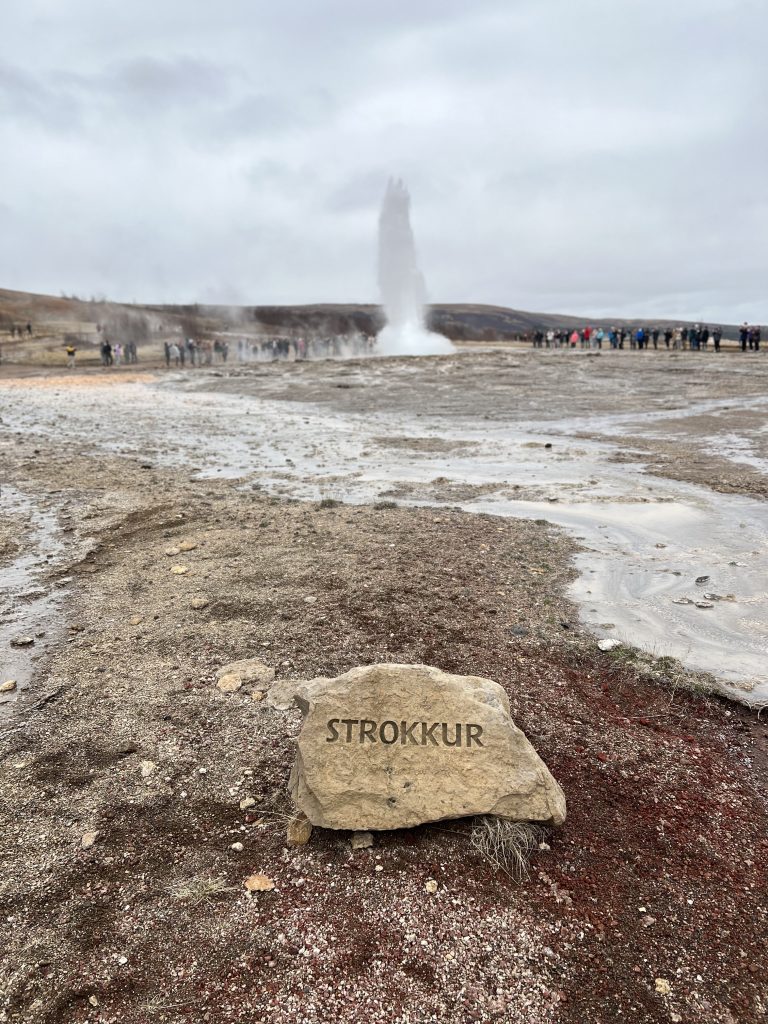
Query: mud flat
{"points": [[663, 482], [379, 514]]}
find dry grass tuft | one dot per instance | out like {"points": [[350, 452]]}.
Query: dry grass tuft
{"points": [[507, 845], [200, 890]]}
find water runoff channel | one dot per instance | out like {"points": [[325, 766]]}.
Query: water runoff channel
{"points": [[644, 540]]}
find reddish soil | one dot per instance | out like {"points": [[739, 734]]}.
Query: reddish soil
{"points": [[658, 873]]}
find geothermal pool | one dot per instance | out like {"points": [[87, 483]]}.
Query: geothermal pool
{"points": [[644, 539]]}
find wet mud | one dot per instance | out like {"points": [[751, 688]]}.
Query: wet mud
{"points": [[601, 446]]}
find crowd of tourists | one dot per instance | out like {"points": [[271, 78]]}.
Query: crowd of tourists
{"points": [[193, 352], [268, 349], [695, 338], [114, 355]]}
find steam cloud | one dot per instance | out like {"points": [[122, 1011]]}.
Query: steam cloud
{"points": [[403, 294]]}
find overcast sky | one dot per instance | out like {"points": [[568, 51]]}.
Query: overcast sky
{"points": [[581, 156]]}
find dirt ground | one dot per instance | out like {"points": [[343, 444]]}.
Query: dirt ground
{"points": [[647, 905]]}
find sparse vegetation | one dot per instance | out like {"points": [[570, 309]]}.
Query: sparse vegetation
{"points": [[506, 845]]}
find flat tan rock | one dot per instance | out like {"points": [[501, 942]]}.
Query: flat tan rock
{"points": [[249, 670], [393, 746], [229, 682], [282, 695]]}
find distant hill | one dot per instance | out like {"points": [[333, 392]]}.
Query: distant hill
{"points": [[69, 317]]}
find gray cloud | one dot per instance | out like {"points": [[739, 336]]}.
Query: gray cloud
{"points": [[592, 158]]}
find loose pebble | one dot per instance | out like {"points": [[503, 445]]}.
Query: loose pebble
{"points": [[259, 883]]}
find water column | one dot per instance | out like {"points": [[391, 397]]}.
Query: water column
{"points": [[401, 283]]}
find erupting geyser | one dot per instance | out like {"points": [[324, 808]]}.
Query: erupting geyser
{"points": [[401, 283]]}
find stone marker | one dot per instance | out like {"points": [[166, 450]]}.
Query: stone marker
{"points": [[392, 746]]}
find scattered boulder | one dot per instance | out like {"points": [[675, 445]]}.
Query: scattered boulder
{"points": [[393, 746], [22, 641], [8, 686], [199, 602]]}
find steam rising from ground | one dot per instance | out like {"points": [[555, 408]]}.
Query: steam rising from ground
{"points": [[401, 284]]}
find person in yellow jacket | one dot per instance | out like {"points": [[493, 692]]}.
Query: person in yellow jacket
{"points": [[71, 353]]}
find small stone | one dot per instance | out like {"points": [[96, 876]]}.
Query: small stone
{"points": [[179, 570], [122, 960], [88, 839], [713, 597], [249, 670], [258, 695], [8, 686], [608, 645], [430, 886], [663, 987], [93, 1000], [247, 802], [544, 847], [22, 641], [361, 840], [187, 545], [199, 602], [681, 600], [702, 579], [147, 767], [659, 545], [704, 604], [282, 696], [259, 883], [135, 621], [237, 847], [229, 683], [299, 830], [171, 552], [648, 921], [310, 600]]}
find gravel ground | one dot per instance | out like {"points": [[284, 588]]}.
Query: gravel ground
{"points": [[126, 777], [123, 769]]}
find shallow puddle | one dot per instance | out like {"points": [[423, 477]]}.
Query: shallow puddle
{"points": [[29, 600]]}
